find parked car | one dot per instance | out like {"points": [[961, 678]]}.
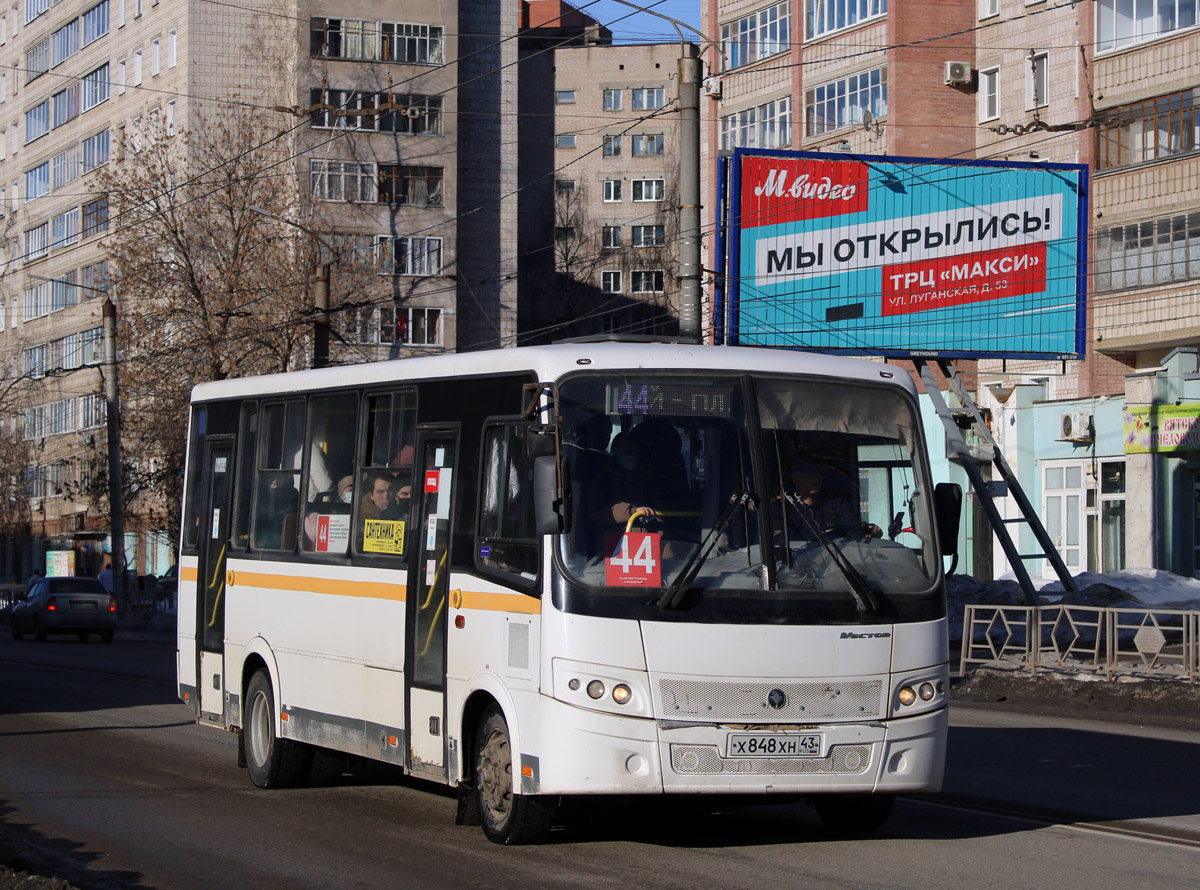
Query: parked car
{"points": [[167, 587], [79, 606]]}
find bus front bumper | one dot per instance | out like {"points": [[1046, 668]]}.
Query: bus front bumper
{"points": [[595, 753]]}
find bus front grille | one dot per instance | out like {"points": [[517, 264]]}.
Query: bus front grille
{"points": [[707, 760], [758, 702]]}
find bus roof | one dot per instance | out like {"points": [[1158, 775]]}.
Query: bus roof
{"points": [[553, 362]]}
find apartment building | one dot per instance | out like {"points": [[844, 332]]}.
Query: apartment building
{"points": [[401, 168], [1103, 446]]}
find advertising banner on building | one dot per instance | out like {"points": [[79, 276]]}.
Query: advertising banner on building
{"points": [[906, 257], [1162, 428]]}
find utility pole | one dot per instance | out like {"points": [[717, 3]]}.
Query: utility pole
{"points": [[116, 505], [689, 191]]}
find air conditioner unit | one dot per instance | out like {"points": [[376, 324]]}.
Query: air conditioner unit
{"points": [[712, 87], [958, 72], [1076, 427]]}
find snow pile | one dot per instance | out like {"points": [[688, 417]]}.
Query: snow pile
{"points": [[1135, 587]]}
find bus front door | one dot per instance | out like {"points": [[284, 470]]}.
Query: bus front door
{"points": [[215, 486], [429, 583]]}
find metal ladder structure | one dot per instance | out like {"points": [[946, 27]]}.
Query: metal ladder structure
{"points": [[970, 463]]}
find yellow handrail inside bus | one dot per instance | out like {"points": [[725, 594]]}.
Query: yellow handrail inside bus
{"points": [[436, 576], [432, 625], [217, 571], [638, 513]]}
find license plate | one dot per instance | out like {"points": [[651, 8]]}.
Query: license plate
{"points": [[76, 606], [774, 744]]}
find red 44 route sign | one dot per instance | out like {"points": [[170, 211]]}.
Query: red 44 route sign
{"points": [[634, 560]]}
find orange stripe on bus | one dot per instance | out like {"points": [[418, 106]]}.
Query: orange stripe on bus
{"points": [[329, 586], [501, 602]]}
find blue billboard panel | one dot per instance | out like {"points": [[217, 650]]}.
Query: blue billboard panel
{"points": [[907, 257]]}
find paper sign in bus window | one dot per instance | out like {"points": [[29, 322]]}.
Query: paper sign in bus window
{"points": [[634, 560], [383, 536], [332, 534]]}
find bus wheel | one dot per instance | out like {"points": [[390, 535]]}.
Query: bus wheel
{"points": [[507, 818], [273, 762], [854, 812]]}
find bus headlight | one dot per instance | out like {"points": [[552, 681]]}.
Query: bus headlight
{"points": [[621, 694], [926, 691], [906, 695], [595, 689]]}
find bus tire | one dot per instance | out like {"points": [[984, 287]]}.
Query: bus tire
{"points": [[273, 762], [854, 812], [506, 818]]}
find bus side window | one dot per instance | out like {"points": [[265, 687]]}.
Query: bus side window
{"points": [[333, 420], [506, 539], [247, 440], [382, 517], [279, 453], [191, 529]]}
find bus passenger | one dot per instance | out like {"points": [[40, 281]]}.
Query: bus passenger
{"points": [[827, 508], [378, 497]]}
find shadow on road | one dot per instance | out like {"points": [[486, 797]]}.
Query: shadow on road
{"points": [[25, 849]]}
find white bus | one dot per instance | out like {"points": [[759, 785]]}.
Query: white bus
{"points": [[580, 569]]}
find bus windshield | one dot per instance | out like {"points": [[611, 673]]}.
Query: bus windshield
{"points": [[688, 491]]}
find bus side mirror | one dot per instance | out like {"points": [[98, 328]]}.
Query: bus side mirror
{"points": [[947, 501], [549, 509], [539, 440]]}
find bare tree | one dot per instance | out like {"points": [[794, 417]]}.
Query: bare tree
{"points": [[209, 285]]}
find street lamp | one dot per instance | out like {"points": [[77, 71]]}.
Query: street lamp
{"points": [[321, 298]]}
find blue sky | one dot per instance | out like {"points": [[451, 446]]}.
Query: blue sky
{"points": [[640, 27]]}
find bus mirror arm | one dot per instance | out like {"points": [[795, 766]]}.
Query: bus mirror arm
{"points": [[947, 500], [549, 508]]}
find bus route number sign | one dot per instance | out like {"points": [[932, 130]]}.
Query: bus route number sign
{"points": [[634, 560]]}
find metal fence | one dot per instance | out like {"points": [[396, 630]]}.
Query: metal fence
{"points": [[1105, 640]]}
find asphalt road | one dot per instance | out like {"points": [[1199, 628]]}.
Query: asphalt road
{"points": [[104, 777]]}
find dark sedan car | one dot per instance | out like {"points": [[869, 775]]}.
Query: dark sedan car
{"points": [[79, 606]]}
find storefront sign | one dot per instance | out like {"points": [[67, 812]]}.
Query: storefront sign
{"points": [[1162, 428]]}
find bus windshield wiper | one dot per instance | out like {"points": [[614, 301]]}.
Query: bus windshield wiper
{"points": [[673, 594], [864, 597]]}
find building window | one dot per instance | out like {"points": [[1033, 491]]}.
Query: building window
{"points": [[172, 48], [756, 36], [95, 22], [409, 256], [564, 97], [841, 103], [610, 237], [92, 346], [647, 99], [1037, 81], [36, 361], [610, 281], [400, 326], [66, 105], [647, 145], [828, 16], [612, 146], [137, 67], [34, 8], [564, 140], [989, 94], [412, 115], [612, 191], [1142, 254], [564, 233], [95, 87], [155, 44], [646, 281], [765, 126], [120, 80], [37, 300], [64, 43], [93, 412], [649, 189], [612, 100], [95, 217], [1122, 23], [95, 151], [64, 229], [37, 182], [410, 186], [37, 241], [37, 60], [564, 186], [988, 8], [648, 236], [342, 181], [1147, 131], [93, 280], [369, 41], [66, 167]]}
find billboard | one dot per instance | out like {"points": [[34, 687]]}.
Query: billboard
{"points": [[906, 257]]}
